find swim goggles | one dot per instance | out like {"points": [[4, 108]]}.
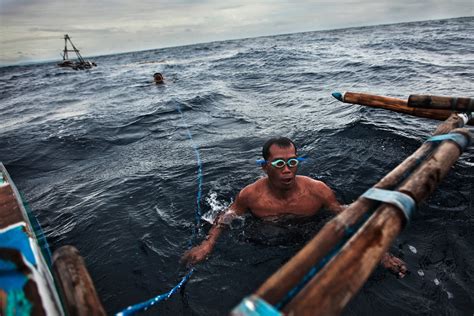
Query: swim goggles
{"points": [[280, 163]]}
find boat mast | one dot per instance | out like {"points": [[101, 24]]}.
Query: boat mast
{"points": [[65, 56]]}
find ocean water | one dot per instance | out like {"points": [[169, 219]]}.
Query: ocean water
{"points": [[108, 163]]}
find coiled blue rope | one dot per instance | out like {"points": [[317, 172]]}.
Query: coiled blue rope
{"points": [[162, 297]]}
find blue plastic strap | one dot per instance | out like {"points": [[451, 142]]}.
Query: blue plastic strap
{"points": [[401, 200], [255, 306], [261, 162], [455, 137]]}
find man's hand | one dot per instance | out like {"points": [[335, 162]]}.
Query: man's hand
{"points": [[197, 254], [394, 264]]}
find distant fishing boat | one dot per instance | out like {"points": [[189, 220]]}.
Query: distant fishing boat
{"points": [[78, 64]]}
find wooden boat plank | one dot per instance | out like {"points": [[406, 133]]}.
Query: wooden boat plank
{"points": [[10, 212]]}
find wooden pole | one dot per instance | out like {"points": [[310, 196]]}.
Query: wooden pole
{"points": [[340, 279], [288, 276], [441, 103], [393, 104], [76, 285]]}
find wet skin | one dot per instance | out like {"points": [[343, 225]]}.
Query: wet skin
{"points": [[281, 192]]}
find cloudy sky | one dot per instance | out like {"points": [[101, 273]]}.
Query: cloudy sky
{"points": [[32, 30]]}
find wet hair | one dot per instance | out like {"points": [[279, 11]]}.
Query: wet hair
{"points": [[157, 74], [279, 141]]}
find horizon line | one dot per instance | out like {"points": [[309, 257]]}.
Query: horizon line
{"points": [[45, 61]]}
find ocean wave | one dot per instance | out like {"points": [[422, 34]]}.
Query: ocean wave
{"points": [[108, 159]]}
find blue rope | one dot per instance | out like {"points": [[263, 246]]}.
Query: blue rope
{"points": [[147, 304], [199, 176], [162, 297]]}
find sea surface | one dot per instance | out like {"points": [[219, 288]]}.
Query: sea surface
{"points": [[112, 163]]}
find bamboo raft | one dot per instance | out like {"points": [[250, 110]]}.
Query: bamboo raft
{"points": [[27, 286], [324, 276]]}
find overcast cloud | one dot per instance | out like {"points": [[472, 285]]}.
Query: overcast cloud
{"points": [[32, 30]]}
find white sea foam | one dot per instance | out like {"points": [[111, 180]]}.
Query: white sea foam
{"points": [[216, 207]]}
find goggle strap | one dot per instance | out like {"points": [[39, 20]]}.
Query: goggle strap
{"points": [[261, 162]]}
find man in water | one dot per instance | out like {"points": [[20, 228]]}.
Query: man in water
{"points": [[281, 192], [158, 78]]}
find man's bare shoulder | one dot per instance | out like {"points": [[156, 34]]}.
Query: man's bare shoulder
{"points": [[247, 196], [323, 192], [311, 183], [316, 187], [253, 189]]}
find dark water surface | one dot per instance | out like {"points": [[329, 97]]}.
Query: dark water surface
{"points": [[104, 159]]}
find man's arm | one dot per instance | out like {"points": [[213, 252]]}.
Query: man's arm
{"points": [[329, 198], [202, 251]]}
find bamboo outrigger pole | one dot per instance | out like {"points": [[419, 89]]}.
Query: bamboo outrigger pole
{"points": [[75, 284], [339, 278], [438, 108], [441, 103], [274, 289]]}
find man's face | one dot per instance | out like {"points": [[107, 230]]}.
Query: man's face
{"points": [[281, 178]]}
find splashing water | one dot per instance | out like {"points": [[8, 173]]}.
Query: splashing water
{"points": [[228, 218], [216, 207]]}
